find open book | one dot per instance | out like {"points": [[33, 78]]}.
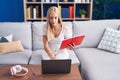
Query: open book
{"points": [[74, 40]]}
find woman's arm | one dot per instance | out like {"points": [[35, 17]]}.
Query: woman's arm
{"points": [[47, 49]]}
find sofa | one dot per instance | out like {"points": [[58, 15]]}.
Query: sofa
{"points": [[94, 63]]}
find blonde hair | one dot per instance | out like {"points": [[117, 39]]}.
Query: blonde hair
{"points": [[50, 35]]}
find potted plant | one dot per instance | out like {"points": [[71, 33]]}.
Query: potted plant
{"points": [[82, 13]]}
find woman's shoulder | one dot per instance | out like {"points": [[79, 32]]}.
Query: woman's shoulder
{"points": [[44, 26], [67, 31], [65, 28]]}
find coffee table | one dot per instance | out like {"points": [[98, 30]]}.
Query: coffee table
{"points": [[36, 69]]}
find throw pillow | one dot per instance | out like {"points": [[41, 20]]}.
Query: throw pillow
{"points": [[110, 40], [14, 46], [8, 38]]}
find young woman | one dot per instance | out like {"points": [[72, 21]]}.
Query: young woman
{"points": [[53, 33]]}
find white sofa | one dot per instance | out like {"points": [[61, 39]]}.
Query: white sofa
{"points": [[94, 64]]}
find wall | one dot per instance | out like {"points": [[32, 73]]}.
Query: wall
{"points": [[106, 9], [11, 11]]}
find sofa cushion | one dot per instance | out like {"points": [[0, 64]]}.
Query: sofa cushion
{"points": [[20, 30], [38, 54], [37, 34], [7, 38], [16, 57], [110, 40], [36, 57], [98, 64], [93, 30], [7, 47]]}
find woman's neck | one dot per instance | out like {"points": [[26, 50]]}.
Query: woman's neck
{"points": [[56, 30], [56, 27]]}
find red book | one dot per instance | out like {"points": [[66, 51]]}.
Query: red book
{"points": [[75, 40], [70, 12]]}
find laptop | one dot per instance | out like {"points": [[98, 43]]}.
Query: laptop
{"points": [[56, 66]]}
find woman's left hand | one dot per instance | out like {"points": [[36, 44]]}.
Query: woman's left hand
{"points": [[71, 46]]}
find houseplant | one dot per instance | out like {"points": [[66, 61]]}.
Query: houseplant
{"points": [[82, 13]]}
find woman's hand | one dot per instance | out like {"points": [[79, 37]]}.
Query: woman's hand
{"points": [[71, 46], [52, 57]]}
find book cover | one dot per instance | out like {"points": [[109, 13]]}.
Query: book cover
{"points": [[34, 13], [74, 40], [65, 12], [37, 11], [83, 1], [59, 8], [71, 11], [28, 13]]}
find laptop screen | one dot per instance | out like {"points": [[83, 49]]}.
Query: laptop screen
{"points": [[56, 66]]}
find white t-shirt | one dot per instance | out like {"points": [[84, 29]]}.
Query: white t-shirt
{"points": [[56, 42]]}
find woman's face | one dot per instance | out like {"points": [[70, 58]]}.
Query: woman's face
{"points": [[53, 19]]}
